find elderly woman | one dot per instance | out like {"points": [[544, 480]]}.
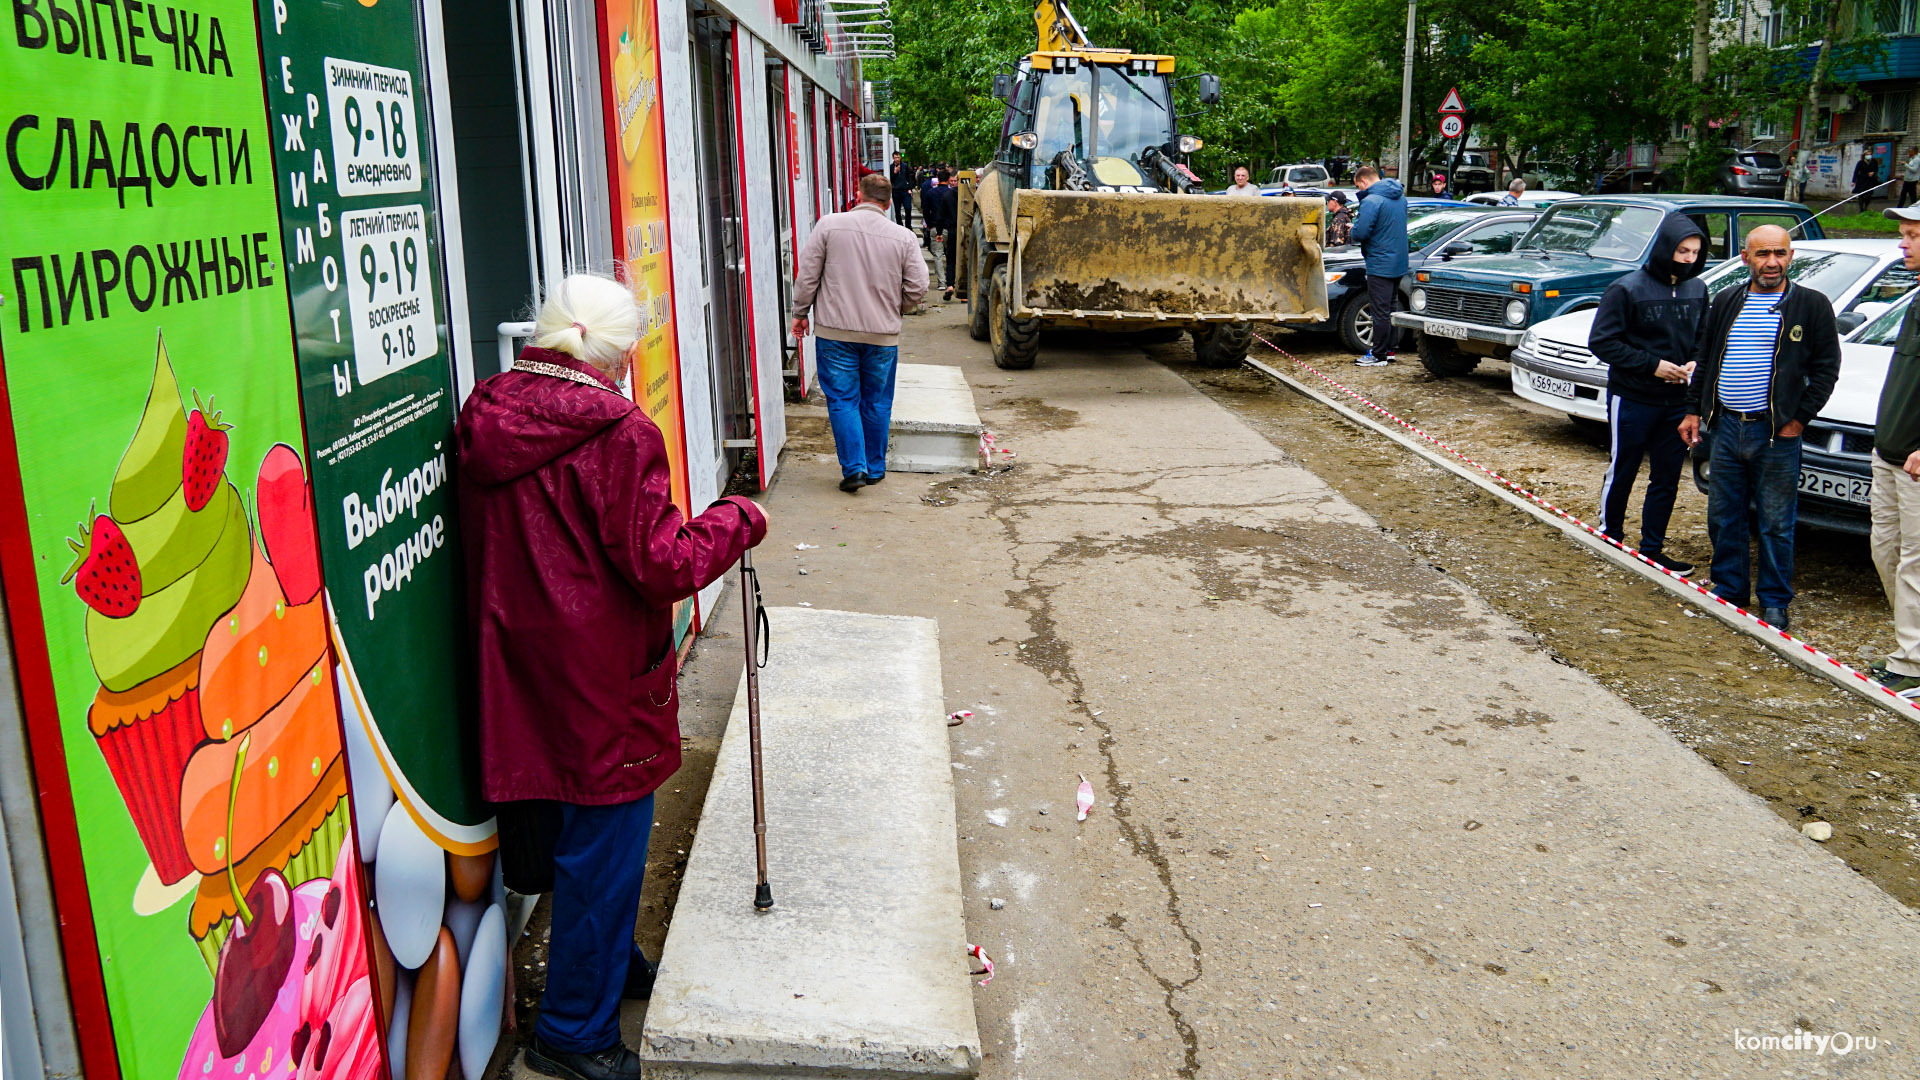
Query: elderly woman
{"points": [[576, 555]]}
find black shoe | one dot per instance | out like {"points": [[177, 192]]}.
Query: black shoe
{"points": [[872, 480], [616, 1062], [1775, 617], [852, 484], [1667, 562], [641, 973]]}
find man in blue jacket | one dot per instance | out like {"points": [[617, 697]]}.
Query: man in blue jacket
{"points": [[1381, 232], [1645, 331]]}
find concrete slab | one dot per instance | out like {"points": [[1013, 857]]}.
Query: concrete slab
{"points": [[935, 427], [860, 969]]}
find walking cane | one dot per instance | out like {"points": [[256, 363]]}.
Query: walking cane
{"points": [[758, 631]]}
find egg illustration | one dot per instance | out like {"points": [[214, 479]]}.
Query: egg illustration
{"points": [[483, 992], [410, 887]]}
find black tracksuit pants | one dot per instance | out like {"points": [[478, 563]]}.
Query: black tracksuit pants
{"points": [[903, 207], [1381, 292], [1642, 432]]}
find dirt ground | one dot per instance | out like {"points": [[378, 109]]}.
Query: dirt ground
{"points": [[1812, 752]]}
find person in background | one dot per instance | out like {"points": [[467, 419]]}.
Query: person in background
{"points": [[1768, 360], [1515, 189], [927, 181], [941, 207], [1440, 187], [1910, 178], [900, 179], [858, 274], [1339, 219], [575, 558], [1646, 331], [1242, 182], [1381, 231], [1895, 532], [1866, 177]]}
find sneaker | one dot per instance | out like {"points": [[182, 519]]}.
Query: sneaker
{"points": [[1370, 360], [1775, 617], [1668, 562], [852, 484], [1904, 685], [1878, 669], [616, 1062]]}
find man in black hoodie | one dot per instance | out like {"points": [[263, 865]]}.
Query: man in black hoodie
{"points": [[1646, 331]]}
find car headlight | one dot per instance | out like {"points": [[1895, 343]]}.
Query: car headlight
{"points": [[1530, 341], [1188, 144], [1334, 276], [1517, 312], [1418, 301], [1025, 140]]}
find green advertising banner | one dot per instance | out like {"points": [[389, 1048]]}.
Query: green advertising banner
{"points": [[353, 149], [161, 555], [353, 156]]}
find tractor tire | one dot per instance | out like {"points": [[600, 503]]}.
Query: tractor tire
{"points": [[977, 284], [1355, 324], [1222, 345], [1439, 356], [1016, 342]]}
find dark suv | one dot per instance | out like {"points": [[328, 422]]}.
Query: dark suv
{"points": [[1760, 173], [1481, 305]]}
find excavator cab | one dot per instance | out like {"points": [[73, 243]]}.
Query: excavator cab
{"points": [[1079, 124]]}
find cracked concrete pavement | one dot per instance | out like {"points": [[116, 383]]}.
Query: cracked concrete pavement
{"points": [[1350, 820]]}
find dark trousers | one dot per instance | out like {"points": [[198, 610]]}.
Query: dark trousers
{"points": [[1642, 432], [1381, 292], [903, 207], [599, 864], [1752, 472], [1863, 195], [1909, 189], [947, 264]]}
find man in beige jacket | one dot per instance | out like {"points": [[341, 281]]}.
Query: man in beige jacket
{"points": [[859, 273]]}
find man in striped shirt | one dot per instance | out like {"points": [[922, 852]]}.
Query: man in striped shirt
{"points": [[1767, 364]]}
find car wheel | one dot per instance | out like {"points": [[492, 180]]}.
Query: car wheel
{"points": [[1355, 323], [1016, 342], [1221, 345], [1439, 356]]}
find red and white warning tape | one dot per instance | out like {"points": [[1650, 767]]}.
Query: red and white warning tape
{"points": [[1782, 640]]}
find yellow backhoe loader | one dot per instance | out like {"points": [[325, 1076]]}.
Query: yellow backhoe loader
{"points": [[1088, 215]]}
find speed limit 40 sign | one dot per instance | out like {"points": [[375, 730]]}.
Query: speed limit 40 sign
{"points": [[1451, 126]]}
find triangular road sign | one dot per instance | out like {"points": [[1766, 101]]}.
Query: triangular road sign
{"points": [[1452, 103]]}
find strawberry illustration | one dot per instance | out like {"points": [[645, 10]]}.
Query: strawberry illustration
{"points": [[206, 454], [104, 572]]}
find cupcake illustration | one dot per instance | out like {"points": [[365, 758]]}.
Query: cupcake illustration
{"points": [[155, 572], [265, 678]]}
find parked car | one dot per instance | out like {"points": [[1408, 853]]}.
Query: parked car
{"points": [[1552, 365], [1436, 229], [1753, 172], [1836, 451], [1298, 176], [1552, 175], [1530, 198], [1481, 306], [1473, 172]]}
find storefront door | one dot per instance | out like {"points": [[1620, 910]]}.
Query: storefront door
{"points": [[722, 240]]}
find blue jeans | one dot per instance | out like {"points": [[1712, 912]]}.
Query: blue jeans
{"points": [[599, 864], [858, 381], [1751, 472]]}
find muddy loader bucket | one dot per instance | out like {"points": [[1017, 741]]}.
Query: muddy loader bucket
{"points": [[1140, 258]]}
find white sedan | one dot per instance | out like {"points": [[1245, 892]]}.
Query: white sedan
{"points": [[1553, 366], [1529, 198]]}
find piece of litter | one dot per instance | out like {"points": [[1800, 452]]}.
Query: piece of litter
{"points": [[986, 965], [1313, 905], [1084, 798], [955, 719], [1817, 831], [803, 603], [1746, 763], [805, 547], [997, 817], [803, 573], [996, 903]]}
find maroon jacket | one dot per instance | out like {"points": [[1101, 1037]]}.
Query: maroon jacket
{"points": [[575, 557]]}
